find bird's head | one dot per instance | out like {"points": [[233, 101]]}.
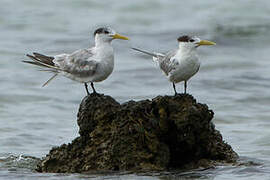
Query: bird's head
{"points": [[106, 34], [192, 42]]}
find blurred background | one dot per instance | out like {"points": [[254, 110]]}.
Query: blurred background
{"points": [[233, 79]]}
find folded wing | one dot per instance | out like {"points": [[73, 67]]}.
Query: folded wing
{"points": [[81, 63], [166, 63]]}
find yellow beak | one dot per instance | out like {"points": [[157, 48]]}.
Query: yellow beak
{"points": [[118, 36], [205, 42]]}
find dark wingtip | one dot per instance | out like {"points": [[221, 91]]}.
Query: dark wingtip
{"points": [[28, 55], [136, 49], [36, 54], [29, 62]]}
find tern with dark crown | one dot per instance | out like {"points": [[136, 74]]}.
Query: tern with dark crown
{"points": [[181, 64], [85, 65]]}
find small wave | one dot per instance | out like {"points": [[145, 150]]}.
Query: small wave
{"points": [[15, 162]]}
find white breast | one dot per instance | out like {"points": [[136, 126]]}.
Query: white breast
{"points": [[105, 56], [187, 66]]}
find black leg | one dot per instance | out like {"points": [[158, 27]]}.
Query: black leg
{"points": [[92, 85], [175, 93], [185, 86], [86, 87]]}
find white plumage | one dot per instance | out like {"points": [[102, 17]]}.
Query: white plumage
{"points": [[181, 64], [86, 65]]}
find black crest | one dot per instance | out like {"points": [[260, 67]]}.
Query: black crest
{"points": [[102, 30], [185, 39]]}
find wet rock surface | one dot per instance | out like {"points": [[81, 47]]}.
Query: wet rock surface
{"points": [[169, 132]]}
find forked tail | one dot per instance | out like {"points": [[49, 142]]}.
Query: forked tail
{"points": [[145, 52], [45, 62]]}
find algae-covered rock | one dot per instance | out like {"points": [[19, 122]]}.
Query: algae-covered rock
{"points": [[167, 132]]}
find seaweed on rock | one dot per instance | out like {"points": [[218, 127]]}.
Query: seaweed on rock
{"points": [[167, 132]]}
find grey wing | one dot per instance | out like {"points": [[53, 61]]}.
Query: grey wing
{"points": [[165, 63], [81, 63]]}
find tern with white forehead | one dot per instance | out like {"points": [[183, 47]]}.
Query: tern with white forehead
{"points": [[181, 64], [89, 65]]}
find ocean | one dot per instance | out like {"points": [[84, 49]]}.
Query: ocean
{"points": [[234, 79]]}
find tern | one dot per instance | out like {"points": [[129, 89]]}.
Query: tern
{"points": [[181, 64], [88, 65]]}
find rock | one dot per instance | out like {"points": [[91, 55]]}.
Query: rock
{"points": [[167, 132]]}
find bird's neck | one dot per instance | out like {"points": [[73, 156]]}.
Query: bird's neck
{"points": [[102, 43], [104, 50], [186, 53], [184, 49]]}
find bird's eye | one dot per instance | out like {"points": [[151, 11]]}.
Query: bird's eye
{"points": [[191, 40]]}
